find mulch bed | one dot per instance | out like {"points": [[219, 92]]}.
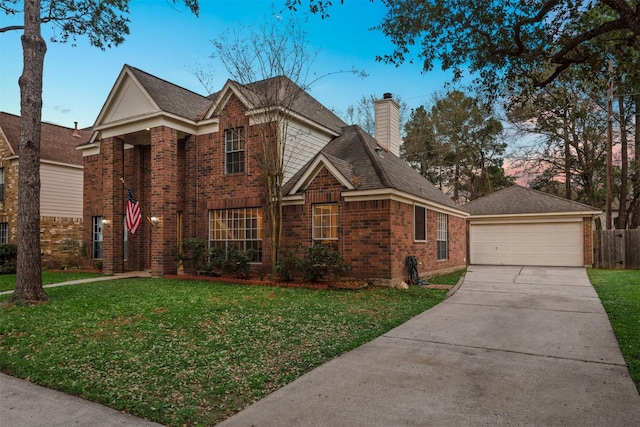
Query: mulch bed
{"points": [[255, 282]]}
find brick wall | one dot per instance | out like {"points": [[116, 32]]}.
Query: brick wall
{"points": [[9, 205], [209, 186], [61, 243], [587, 241], [375, 236]]}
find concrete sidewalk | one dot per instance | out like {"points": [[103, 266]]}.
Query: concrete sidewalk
{"points": [[23, 404], [126, 275], [523, 346]]}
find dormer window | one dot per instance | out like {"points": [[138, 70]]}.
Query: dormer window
{"points": [[234, 150]]}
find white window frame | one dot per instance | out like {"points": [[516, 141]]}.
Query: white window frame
{"points": [[325, 224], [97, 237], [415, 223], [240, 227], [234, 150], [4, 232], [442, 236]]}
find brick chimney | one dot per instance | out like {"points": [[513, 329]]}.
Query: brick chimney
{"points": [[387, 118], [75, 130]]}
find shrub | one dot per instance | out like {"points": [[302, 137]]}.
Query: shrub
{"points": [[8, 258], [193, 256], [320, 261], [238, 262], [288, 263], [197, 259]]}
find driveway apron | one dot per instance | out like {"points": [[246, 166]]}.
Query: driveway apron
{"points": [[517, 346]]}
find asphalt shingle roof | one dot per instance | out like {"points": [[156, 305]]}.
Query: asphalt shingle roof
{"points": [[172, 98], [372, 168], [57, 143], [520, 200], [288, 94]]}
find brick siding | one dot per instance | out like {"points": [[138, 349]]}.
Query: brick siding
{"points": [[184, 176], [375, 236]]}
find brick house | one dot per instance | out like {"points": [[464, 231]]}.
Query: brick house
{"points": [[61, 186], [192, 162]]}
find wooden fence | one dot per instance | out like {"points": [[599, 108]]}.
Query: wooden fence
{"points": [[616, 248]]}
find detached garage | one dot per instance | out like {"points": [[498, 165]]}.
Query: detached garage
{"points": [[520, 226]]}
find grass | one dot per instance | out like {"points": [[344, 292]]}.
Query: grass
{"points": [[191, 352], [448, 279], [8, 281], [619, 291]]}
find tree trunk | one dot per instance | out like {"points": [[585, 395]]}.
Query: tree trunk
{"points": [[621, 221], [567, 157], [635, 202], [28, 271]]}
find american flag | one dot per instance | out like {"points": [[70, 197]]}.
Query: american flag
{"points": [[134, 217]]}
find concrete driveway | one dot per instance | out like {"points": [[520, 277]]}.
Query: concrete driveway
{"points": [[517, 346]]}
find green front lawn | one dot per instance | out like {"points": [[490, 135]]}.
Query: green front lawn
{"points": [[8, 281], [619, 291], [191, 352]]}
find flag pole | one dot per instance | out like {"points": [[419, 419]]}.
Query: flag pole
{"points": [[148, 217]]}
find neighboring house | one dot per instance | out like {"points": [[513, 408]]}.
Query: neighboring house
{"points": [[192, 163], [61, 179], [520, 226]]}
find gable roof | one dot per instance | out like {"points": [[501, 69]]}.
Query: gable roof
{"points": [[517, 200], [170, 97], [57, 143], [357, 156], [286, 93]]}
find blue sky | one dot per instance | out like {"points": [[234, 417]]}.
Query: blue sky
{"points": [[169, 42]]}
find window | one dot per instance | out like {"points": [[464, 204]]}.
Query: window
{"points": [[1, 183], [419, 223], [97, 237], [234, 150], [237, 228], [442, 249], [325, 224], [4, 232]]}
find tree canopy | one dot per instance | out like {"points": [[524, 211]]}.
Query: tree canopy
{"points": [[509, 42], [105, 23], [457, 145]]}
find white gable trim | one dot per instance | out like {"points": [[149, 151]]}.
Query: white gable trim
{"points": [[125, 77], [260, 116], [533, 216], [400, 196], [6, 140], [230, 87], [312, 171]]}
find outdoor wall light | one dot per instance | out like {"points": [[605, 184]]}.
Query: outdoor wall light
{"points": [[105, 222], [154, 220]]}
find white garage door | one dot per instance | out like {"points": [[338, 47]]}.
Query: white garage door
{"points": [[552, 244]]}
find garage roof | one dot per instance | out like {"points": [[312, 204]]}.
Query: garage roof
{"points": [[517, 200]]}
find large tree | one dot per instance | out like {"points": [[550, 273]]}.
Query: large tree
{"points": [[457, 145], [515, 47], [105, 24], [274, 62], [567, 126], [504, 41]]}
